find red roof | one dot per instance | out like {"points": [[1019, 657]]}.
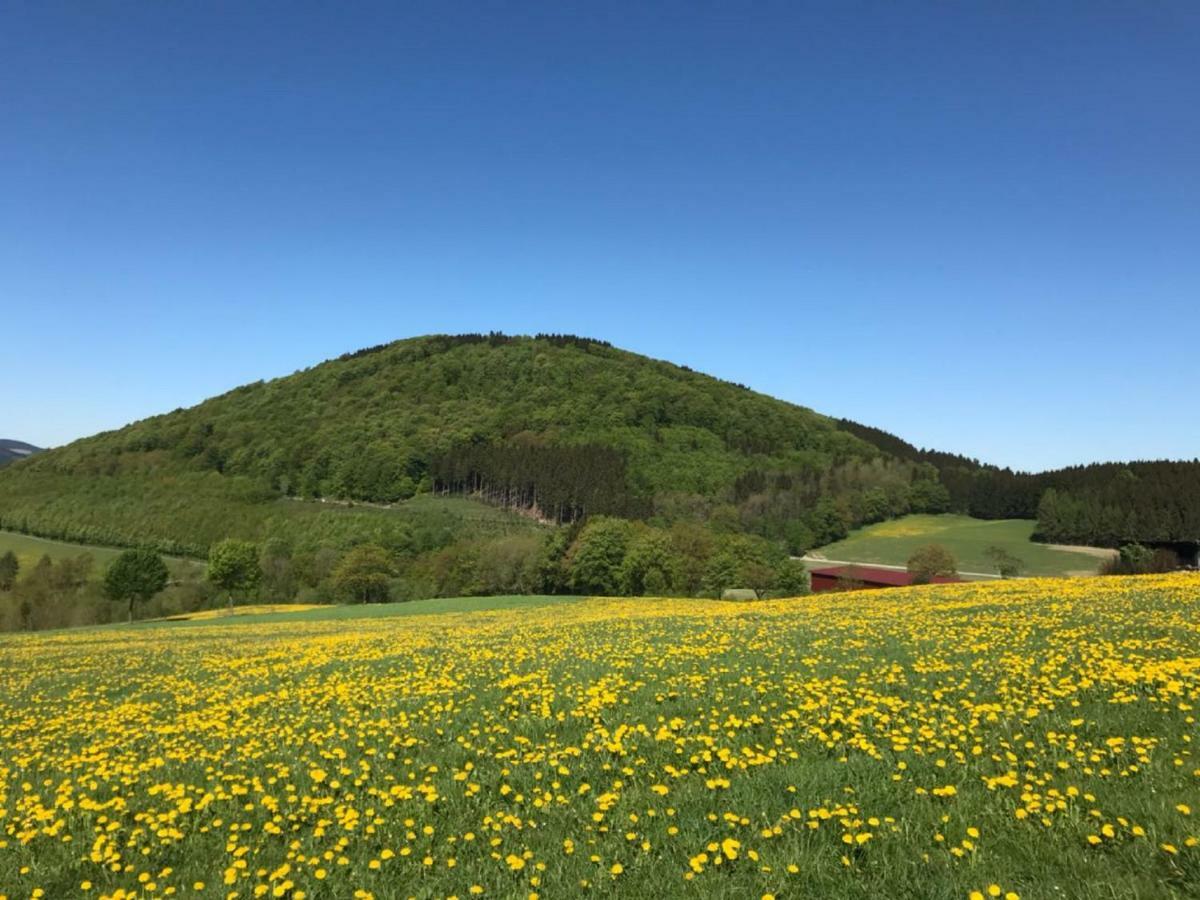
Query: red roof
{"points": [[874, 575]]}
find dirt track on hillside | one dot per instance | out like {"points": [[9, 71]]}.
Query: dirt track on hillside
{"points": [[1098, 552]]}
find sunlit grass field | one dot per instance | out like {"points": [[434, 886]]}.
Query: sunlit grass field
{"points": [[1032, 739], [892, 542], [29, 550]]}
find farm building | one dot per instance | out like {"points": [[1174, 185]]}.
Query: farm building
{"points": [[859, 578]]}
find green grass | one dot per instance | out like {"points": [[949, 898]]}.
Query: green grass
{"points": [[891, 543], [30, 549]]}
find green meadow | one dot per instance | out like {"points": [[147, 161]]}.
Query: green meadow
{"points": [[1025, 739], [29, 550], [891, 543]]}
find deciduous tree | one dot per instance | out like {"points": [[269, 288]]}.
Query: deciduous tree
{"points": [[233, 567], [595, 559], [650, 566], [363, 574], [134, 577]]}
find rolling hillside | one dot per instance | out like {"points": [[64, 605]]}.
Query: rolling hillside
{"points": [[606, 431]]}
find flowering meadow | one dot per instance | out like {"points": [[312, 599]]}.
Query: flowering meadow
{"points": [[1026, 739]]}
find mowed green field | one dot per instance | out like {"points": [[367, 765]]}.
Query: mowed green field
{"points": [[1023, 739], [30, 549], [891, 543]]}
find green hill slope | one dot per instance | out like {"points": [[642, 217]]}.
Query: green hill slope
{"points": [[557, 426]]}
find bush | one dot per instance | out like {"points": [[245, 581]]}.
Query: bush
{"points": [[1007, 565], [930, 562], [1135, 559], [793, 579]]}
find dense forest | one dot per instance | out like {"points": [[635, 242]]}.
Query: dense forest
{"points": [[1111, 504], [1101, 504]]}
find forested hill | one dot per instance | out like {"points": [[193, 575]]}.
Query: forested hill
{"points": [[10, 451], [556, 426], [1104, 504]]}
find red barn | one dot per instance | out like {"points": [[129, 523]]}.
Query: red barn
{"points": [[859, 578]]}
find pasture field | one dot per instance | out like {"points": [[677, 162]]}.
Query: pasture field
{"points": [[891, 543], [29, 550], [1030, 739]]}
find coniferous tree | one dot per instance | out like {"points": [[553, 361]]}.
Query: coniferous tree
{"points": [[10, 566]]}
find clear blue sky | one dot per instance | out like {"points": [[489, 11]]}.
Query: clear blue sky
{"points": [[975, 225]]}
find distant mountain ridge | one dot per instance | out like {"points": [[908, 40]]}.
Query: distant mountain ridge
{"points": [[10, 451]]}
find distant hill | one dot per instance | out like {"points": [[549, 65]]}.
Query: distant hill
{"points": [[10, 451], [419, 442], [551, 426]]}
